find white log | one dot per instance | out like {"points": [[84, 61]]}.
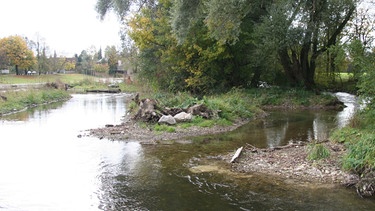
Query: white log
{"points": [[236, 155]]}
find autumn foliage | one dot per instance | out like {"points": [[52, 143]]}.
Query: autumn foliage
{"points": [[15, 52]]}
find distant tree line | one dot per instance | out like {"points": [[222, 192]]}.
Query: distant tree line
{"points": [[22, 56]]}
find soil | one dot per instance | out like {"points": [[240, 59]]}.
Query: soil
{"points": [[290, 163]]}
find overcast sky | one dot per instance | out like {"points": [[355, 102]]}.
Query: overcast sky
{"points": [[68, 26]]}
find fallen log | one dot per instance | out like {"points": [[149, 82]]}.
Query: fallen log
{"points": [[256, 149], [236, 155], [299, 144]]}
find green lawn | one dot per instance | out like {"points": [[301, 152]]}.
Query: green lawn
{"points": [[25, 79]]}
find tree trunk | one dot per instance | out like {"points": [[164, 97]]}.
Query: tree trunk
{"points": [[256, 77], [300, 70], [17, 73]]}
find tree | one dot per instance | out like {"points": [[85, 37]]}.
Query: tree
{"points": [[100, 55], [15, 52], [300, 31], [113, 58], [303, 31], [41, 50], [83, 62], [122, 7], [226, 43]]}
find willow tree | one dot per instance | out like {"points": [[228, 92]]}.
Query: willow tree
{"points": [[122, 7], [310, 29], [296, 30]]}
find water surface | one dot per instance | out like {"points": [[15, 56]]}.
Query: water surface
{"points": [[46, 166]]}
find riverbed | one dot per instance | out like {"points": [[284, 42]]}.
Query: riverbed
{"points": [[47, 164]]}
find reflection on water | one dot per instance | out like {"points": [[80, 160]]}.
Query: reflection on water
{"points": [[45, 166], [280, 128], [352, 105]]}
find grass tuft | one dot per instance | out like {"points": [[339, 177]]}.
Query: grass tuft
{"points": [[317, 152]]}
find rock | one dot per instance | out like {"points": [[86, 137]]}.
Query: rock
{"points": [[183, 117], [167, 120]]}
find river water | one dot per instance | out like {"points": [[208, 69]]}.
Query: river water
{"points": [[46, 165]]}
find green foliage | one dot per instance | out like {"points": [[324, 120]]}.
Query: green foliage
{"points": [[361, 154], [233, 105], [361, 148], [317, 152], [291, 97], [360, 144], [176, 100]]}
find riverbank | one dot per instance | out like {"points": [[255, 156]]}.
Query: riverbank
{"points": [[131, 130], [291, 164], [288, 163], [16, 101]]}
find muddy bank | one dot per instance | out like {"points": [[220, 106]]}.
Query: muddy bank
{"points": [[290, 163], [131, 130]]}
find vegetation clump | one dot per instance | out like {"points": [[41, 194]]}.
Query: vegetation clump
{"points": [[317, 151], [359, 140]]}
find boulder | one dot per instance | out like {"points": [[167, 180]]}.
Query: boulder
{"points": [[167, 120], [183, 117]]}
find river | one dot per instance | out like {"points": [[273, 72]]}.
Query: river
{"points": [[46, 165]]}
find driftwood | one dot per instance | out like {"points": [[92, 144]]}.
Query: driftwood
{"points": [[255, 149], [104, 90], [150, 111], [236, 155], [200, 110]]}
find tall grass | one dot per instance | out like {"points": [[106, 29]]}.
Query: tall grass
{"points": [[291, 97], [18, 100], [317, 151], [359, 139]]}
